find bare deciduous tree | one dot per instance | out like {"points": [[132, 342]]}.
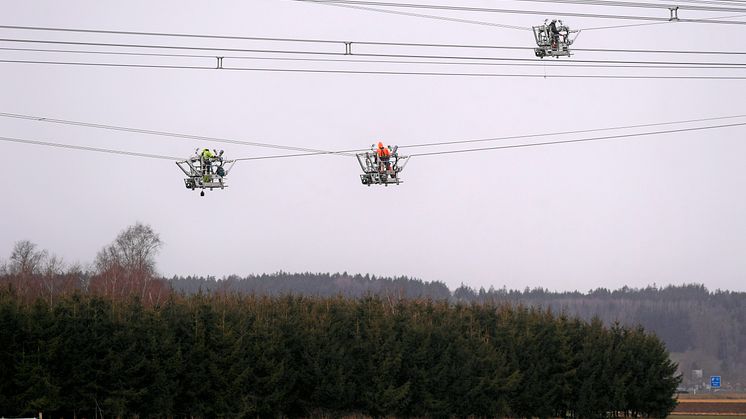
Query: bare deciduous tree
{"points": [[51, 275], [128, 264], [79, 276], [25, 260]]}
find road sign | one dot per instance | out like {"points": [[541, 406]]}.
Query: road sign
{"points": [[715, 381]]}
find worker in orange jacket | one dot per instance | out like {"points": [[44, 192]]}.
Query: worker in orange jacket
{"points": [[384, 155]]}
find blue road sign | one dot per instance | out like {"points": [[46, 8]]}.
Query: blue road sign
{"points": [[715, 381]]}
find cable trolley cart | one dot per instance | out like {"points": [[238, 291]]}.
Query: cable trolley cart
{"points": [[553, 39], [206, 172], [381, 171]]}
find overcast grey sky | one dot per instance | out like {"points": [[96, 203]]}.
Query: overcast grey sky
{"points": [[662, 209]]}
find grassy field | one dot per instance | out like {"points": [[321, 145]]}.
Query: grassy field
{"points": [[711, 405], [713, 396], [705, 416]]}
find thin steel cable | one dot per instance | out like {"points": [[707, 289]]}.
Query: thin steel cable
{"points": [[418, 145], [631, 25], [512, 11], [660, 51], [278, 156], [713, 2], [326, 41], [443, 18], [162, 34], [636, 5], [654, 23], [405, 44], [534, 63], [362, 72], [450, 57], [160, 133], [134, 54], [477, 22], [604, 138], [583, 131], [545, 143], [84, 148], [136, 154], [167, 47], [429, 144], [692, 63]]}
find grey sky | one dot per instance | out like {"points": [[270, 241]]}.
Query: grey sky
{"points": [[663, 209]]}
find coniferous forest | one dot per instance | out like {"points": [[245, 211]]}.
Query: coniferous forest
{"points": [[115, 340], [238, 356]]}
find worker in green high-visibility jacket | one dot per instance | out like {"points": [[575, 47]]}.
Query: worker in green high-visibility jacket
{"points": [[207, 157]]}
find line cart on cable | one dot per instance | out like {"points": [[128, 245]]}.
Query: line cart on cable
{"points": [[553, 39], [206, 170], [381, 165]]}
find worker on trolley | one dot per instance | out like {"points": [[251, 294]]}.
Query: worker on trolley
{"points": [[384, 156]]}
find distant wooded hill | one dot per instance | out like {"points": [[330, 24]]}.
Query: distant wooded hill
{"points": [[704, 330]]}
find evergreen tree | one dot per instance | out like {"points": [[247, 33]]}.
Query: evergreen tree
{"points": [[230, 355]]}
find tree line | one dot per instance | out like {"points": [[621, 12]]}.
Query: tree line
{"points": [[702, 329], [121, 269], [232, 355]]}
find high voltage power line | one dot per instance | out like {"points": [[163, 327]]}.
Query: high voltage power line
{"points": [[315, 152], [353, 56], [533, 63], [715, 2], [347, 152], [339, 42], [653, 23], [629, 4], [425, 16], [342, 43], [583, 131], [85, 148], [433, 153], [519, 11], [483, 23], [422, 56], [159, 34], [165, 134], [384, 72], [36, 118], [581, 140], [435, 17], [136, 154], [716, 7], [306, 151]]}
